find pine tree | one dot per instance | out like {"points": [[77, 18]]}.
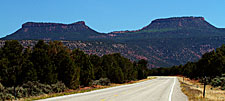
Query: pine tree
{"points": [[82, 60], [96, 62], [142, 69], [46, 70], [29, 73], [11, 63], [68, 72]]}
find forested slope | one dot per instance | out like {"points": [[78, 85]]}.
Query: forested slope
{"points": [[53, 65]]}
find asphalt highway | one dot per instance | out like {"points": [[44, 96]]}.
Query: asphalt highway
{"points": [[159, 89]]}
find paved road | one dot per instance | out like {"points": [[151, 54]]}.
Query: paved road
{"points": [[160, 89]]}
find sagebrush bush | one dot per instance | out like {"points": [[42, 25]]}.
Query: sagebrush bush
{"points": [[223, 88], [6, 96], [21, 92], [223, 75], [9, 90], [30, 89], [45, 88], [216, 82], [1, 87], [223, 83], [58, 87], [33, 88], [102, 81]]}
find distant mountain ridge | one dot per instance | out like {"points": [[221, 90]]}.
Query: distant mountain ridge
{"points": [[164, 42]]}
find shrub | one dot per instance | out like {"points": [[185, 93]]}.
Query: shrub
{"points": [[4, 93], [45, 88], [58, 87], [102, 81], [223, 75], [223, 88], [1, 87], [223, 83], [6, 96], [216, 82], [9, 90], [21, 92], [33, 88]]}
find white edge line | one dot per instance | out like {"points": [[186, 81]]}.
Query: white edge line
{"points": [[171, 91]]}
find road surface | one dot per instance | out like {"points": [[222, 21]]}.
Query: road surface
{"points": [[160, 89]]}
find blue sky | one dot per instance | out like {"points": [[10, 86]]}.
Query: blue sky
{"points": [[105, 15]]}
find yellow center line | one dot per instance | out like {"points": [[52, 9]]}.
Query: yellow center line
{"points": [[102, 100]]}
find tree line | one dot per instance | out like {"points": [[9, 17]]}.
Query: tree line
{"points": [[51, 62]]}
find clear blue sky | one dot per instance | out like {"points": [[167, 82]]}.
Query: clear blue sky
{"points": [[105, 15]]}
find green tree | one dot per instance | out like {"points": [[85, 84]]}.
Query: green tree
{"points": [[82, 60], [142, 69], [118, 75], [11, 63], [29, 73], [46, 70], [68, 72], [96, 62]]}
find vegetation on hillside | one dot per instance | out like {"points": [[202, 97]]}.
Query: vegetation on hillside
{"points": [[211, 66], [47, 67], [162, 52]]}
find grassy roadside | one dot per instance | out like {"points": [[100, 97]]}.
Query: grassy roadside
{"points": [[194, 90], [81, 90]]}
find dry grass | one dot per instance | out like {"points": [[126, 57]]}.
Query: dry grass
{"points": [[193, 89]]}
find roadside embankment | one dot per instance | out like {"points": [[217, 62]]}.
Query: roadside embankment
{"points": [[194, 90]]}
